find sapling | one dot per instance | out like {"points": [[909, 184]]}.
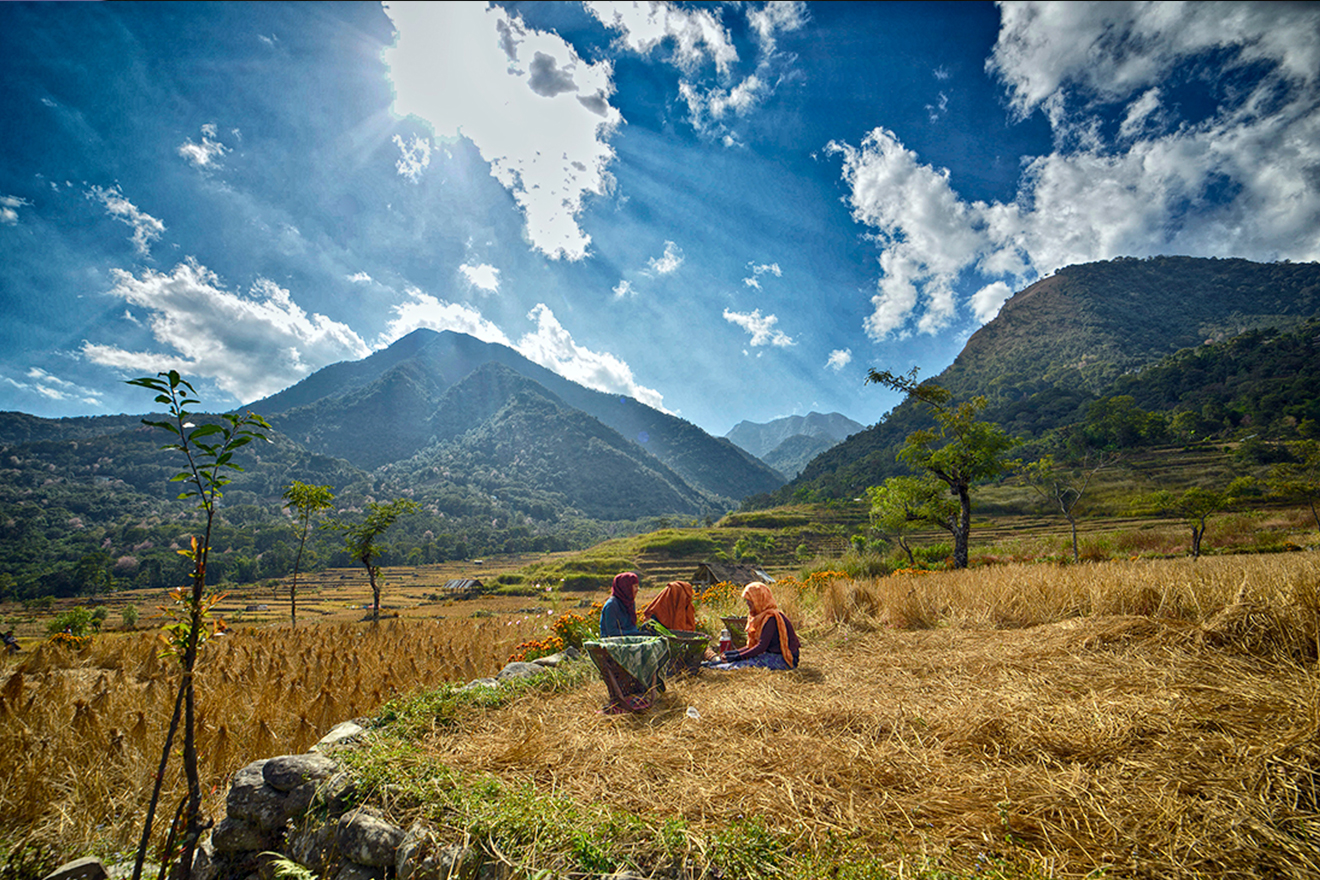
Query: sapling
{"points": [[308, 501], [208, 450]]}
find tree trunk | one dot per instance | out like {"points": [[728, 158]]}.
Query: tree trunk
{"points": [[1072, 521], [962, 534], [375, 593]]}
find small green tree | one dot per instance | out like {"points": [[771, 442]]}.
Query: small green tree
{"points": [[130, 615], [1299, 479], [360, 539], [903, 504], [961, 451], [76, 621], [1064, 485], [208, 450], [307, 501], [1196, 505]]}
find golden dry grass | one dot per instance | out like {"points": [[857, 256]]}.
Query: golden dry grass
{"points": [[1154, 718], [1171, 743], [81, 733]]}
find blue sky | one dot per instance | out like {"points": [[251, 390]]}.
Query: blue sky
{"points": [[729, 211]]}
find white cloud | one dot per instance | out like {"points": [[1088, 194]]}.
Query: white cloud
{"points": [[839, 358], [695, 34], [483, 277], [206, 153], [424, 310], [415, 157], [359, 278], [9, 206], [551, 346], [1111, 50], [754, 280], [927, 233], [537, 112], [624, 288], [987, 301], [938, 109], [52, 387], [146, 228], [697, 37], [666, 263], [251, 346], [1139, 111], [1243, 179], [762, 329]]}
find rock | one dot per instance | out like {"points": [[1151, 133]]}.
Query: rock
{"points": [[421, 857], [366, 838], [517, 669], [234, 836], [354, 871], [337, 794], [288, 772], [344, 733], [204, 866], [89, 868], [313, 845], [550, 661], [253, 800], [572, 653], [479, 682]]}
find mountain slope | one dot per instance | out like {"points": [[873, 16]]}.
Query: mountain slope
{"points": [[712, 465], [1065, 340], [759, 439], [501, 424]]}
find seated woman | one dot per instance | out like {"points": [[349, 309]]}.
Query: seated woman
{"points": [[771, 640], [618, 616], [673, 608]]}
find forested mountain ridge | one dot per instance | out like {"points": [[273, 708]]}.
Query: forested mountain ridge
{"points": [[425, 362], [1096, 331]]}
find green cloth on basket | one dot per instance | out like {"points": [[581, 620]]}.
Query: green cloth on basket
{"points": [[640, 656]]}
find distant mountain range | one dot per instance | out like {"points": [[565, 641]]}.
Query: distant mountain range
{"points": [[1101, 329], [391, 406], [788, 443]]}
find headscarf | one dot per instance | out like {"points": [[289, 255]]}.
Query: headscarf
{"points": [[624, 593], [673, 607], [761, 608]]}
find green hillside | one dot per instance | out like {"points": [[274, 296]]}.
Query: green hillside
{"points": [[1228, 341]]}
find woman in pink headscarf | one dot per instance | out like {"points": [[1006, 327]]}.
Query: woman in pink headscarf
{"points": [[771, 640], [618, 616]]}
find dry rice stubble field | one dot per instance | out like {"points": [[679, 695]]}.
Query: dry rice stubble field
{"points": [[1154, 718], [1130, 745]]}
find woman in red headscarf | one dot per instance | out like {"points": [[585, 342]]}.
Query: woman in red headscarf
{"points": [[771, 641]]}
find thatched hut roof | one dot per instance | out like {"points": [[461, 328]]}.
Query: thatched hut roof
{"points": [[715, 572]]}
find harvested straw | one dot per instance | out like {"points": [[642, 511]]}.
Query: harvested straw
{"points": [[1128, 744]]}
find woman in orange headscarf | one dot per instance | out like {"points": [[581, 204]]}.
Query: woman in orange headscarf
{"points": [[771, 640], [673, 608]]}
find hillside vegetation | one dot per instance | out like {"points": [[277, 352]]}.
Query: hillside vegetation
{"points": [[1204, 348]]}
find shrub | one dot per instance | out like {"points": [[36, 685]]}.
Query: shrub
{"points": [[130, 615], [75, 622]]}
